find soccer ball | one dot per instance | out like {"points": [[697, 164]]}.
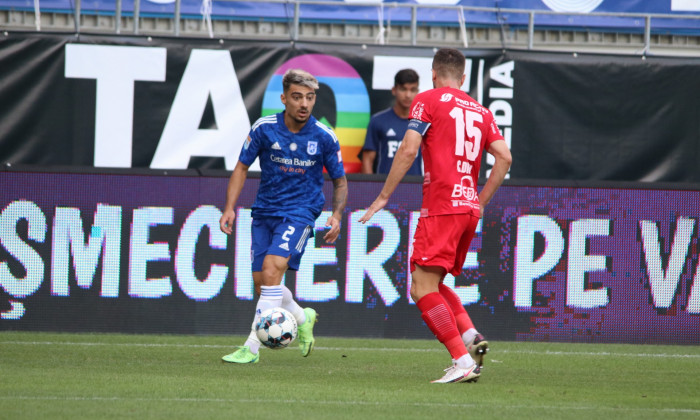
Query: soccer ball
{"points": [[277, 328]]}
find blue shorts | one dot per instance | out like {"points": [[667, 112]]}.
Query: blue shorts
{"points": [[279, 236]]}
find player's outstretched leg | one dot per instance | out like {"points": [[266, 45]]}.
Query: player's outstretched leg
{"points": [[242, 355], [477, 348], [455, 374], [248, 352], [306, 332]]}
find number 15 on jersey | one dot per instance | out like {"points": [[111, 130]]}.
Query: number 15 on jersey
{"points": [[464, 123]]}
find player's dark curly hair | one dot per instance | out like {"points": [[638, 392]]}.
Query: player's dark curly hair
{"points": [[449, 63], [405, 76]]}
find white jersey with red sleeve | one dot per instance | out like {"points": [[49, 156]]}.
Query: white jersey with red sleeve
{"points": [[456, 130]]}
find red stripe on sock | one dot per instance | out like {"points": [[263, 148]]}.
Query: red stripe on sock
{"points": [[437, 314], [464, 322]]}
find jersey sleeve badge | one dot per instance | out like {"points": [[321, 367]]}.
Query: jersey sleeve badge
{"points": [[417, 111]]}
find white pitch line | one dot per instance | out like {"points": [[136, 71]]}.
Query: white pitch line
{"points": [[78, 343], [345, 403], [601, 353], [382, 349]]}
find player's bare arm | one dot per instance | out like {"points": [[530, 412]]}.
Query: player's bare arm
{"points": [[235, 186], [499, 150], [368, 157], [403, 160], [340, 200]]}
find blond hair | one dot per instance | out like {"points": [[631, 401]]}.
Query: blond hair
{"points": [[299, 77]]}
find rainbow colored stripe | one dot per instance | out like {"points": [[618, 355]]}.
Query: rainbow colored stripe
{"points": [[351, 97]]}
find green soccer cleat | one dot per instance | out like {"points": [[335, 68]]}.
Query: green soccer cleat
{"points": [[242, 355], [306, 332]]}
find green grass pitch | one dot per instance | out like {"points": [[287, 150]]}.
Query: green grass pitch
{"points": [[105, 376]]}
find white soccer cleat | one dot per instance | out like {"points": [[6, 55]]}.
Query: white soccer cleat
{"points": [[454, 374]]}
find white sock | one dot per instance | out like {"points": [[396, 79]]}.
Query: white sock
{"points": [[253, 342], [270, 297], [469, 335], [464, 362], [292, 306]]}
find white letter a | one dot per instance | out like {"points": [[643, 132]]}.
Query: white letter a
{"points": [[208, 73]]}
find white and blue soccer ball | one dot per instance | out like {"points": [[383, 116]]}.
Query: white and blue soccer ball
{"points": [[277, 328]]}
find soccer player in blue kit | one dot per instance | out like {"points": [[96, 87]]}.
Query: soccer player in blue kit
{"points": [[386, 128], [293, 148]]}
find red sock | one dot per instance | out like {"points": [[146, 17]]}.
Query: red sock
{"points": [[437, 314], [461, 316]]}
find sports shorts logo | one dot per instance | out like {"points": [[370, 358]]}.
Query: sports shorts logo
{"points": [[312, 147], [446, 97], [285, 246]]}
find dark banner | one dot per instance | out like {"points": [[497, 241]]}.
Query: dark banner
{"points": [[606, 118], [175, 104], [142, 253]]}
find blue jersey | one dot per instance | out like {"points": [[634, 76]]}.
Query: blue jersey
{"points": [[291, 165], [384, 134]]}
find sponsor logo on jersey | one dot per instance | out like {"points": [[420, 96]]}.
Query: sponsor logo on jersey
{"points": [[293, 147], [391, 133], [470, 104], [312, 147], [340, 156], [462, 203], [304, 162], [446, 97], [247, 143], [292, 161], [280, 159], [276, 146], [467, 192]]}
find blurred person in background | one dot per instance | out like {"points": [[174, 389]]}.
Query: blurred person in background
{"points": [[387, 128]]}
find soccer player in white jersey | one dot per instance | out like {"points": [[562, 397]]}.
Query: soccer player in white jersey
{"points": [[293, 148], [453, 131]]}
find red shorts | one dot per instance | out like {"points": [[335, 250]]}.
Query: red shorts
{"points": [[443, 241]]}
